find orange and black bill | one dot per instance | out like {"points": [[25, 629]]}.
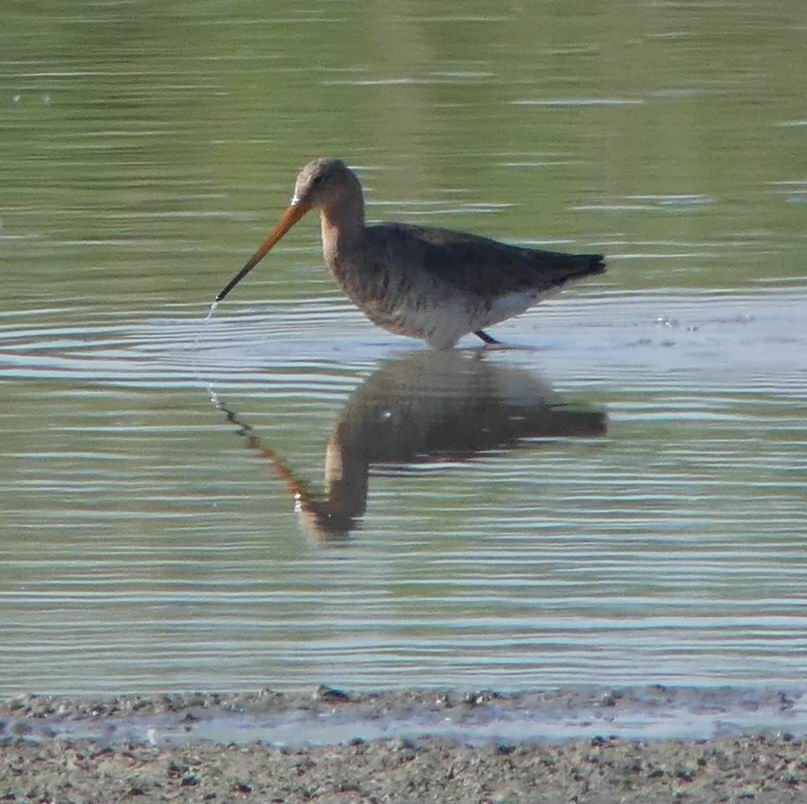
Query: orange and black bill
{"points": [[287, 220]]}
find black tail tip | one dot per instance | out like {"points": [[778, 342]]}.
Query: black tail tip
{"points": [[597, 263]]}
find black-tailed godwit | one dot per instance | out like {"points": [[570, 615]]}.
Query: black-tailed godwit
{"points": [[423, 282]]}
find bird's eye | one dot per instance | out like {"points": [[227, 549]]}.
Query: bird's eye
{"points": [[317, 180]]}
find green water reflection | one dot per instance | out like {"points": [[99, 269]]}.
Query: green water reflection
{"points": [[145, 145]]}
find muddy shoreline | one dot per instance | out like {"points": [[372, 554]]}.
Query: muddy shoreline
{"points": [[158, 748]]}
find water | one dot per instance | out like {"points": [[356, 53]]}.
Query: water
{"points": [[284, 495], [641, 714]]}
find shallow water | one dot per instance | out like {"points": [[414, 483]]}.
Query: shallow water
{"points": [[330, 717], [620, 498]]}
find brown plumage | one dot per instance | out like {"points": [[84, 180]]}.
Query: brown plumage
{"points": [[423, 282]]}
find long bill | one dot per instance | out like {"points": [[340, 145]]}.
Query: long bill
{"points": [[287, 220]]}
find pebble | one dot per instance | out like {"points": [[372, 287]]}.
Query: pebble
{"points": [[331, 695]]}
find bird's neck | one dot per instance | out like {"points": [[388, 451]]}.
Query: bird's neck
{"points": [[342, 223]]}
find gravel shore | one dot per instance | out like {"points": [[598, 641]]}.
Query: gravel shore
{"points": [[729, 770], [38, 764]]}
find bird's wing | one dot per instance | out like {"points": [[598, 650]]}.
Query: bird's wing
{"points": [[476, 264]]}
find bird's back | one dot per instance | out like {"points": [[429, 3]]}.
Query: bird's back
{"points": [[477, 265]]}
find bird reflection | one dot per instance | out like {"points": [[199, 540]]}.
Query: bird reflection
{"points": [[425, 407]]}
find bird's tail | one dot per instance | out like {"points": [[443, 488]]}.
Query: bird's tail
{"points": [[594, 263]]}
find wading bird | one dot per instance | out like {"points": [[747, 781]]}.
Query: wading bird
{"points": [[423, 282]]}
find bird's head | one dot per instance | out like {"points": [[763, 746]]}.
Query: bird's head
{"points": [[319, 184]]}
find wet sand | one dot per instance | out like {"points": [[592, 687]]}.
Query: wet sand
{"points": [[38, 763]]}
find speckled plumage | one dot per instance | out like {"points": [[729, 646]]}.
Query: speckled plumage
{"points": [[423, 282]]}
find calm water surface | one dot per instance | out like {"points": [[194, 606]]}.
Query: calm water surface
{"points": [[287, 495]]}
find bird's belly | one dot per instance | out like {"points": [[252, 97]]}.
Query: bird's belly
{"points": [[426, 309], [399, 303], [510, 305], [440, 323]]}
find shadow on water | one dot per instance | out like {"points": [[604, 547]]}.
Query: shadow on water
{"points": [[426, 407]]}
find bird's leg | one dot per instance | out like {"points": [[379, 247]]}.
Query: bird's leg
{"points": [[483, 336]]}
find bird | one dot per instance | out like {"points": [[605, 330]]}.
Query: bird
{"points": [[424, 282]]}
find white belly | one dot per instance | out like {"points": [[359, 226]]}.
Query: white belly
{"points": [[458, 319]]}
